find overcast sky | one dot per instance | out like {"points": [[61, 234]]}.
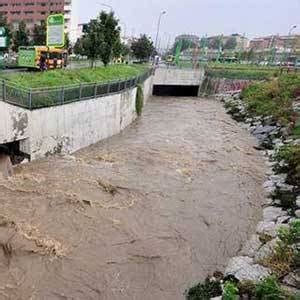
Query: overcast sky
{"points": [[252, 17]]}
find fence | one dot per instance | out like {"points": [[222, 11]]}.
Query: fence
{"points": [[39, 98]]}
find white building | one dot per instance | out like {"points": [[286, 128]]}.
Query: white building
{"points": [[71, 9]]}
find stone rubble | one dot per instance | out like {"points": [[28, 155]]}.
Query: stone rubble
{"points": [[271, 136]]}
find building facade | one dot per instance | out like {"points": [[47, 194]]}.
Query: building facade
{"points": [[34, 11], [287, 42]]}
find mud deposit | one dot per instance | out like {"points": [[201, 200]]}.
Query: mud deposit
{"points": [[143, 215]]}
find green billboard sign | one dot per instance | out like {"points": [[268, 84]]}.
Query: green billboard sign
{"points": [[56, 31], [26, 57]]}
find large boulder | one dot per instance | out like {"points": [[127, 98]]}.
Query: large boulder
{"points": [[272, 213], [251, 246], [244, 268]]}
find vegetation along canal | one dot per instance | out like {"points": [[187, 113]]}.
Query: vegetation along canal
{"points": [[143, 215]]}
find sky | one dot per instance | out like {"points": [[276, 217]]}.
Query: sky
{"points": [[251, 17]]}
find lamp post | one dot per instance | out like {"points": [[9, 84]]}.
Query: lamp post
{"points": [[108, 6], [158, 27]]}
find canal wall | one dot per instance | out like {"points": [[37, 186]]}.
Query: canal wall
{"points": [[212, 86], [70, 127], [179, 77]]}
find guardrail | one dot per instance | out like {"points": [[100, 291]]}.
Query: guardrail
{"points": [[35, 98]]}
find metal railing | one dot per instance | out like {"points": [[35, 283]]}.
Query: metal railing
{"points": [[35, 98]]}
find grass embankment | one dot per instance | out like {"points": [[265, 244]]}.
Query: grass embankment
{"points": [[274, 98], [236, 73], [240, 71], [58, 78]]}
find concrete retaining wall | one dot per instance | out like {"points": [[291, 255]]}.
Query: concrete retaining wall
{"points": [[14, 123], [173, 76], [68, 128]]}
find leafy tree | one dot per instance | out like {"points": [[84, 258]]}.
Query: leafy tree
{"points": [[102, 38], [214, 43], [142, 48], [230, 44], [91, 41], [39, 34], [110, 32], [78, 47], [125, 49], [20, 37]]}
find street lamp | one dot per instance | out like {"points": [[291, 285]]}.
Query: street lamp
{"points": [[291, 29], [108, 6], [158, 27]]}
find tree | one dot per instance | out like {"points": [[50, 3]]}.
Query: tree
{"points": [[125, 49], [39, 34], [102, 38], [231, 43], [215, 43], [110, 33], [142, 48], [78, 47], [20, 37]]}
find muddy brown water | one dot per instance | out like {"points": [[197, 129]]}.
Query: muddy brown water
{"points": [[142, 215]]}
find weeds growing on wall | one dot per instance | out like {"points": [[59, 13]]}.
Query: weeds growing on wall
{"points": [[139, 102]]}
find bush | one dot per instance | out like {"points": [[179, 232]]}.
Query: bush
{"points": [[139, 102], [285, 255], [230, 291], [269, 289], [291, 156], [205, 291]]}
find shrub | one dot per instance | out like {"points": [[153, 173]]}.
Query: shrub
{"points": [[291, 156], [230, 291], [285, 255], [269, 289], [205, 291], [139, 103]]}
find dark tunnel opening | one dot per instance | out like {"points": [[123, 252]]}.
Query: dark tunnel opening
{"points": [[176, 90]]}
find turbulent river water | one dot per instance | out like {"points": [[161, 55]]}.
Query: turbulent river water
{"points": [[141, 216]]}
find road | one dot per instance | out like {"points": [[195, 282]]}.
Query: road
{"points": [[142, 215]]}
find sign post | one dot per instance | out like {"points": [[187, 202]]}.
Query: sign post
{"points": [[56, 31]]}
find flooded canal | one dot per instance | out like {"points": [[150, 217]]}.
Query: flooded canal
{"points": [[143, 215]]}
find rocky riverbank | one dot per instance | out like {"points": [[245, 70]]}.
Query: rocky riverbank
{"points": [[269, 262]]}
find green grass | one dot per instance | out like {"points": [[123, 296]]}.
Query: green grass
{"points": [[273, 98], [58, 78], [237, 66], [233, 73]]}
